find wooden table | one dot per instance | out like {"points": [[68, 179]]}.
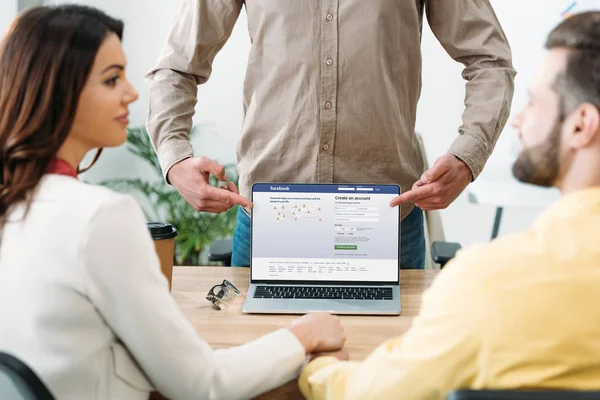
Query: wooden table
{"points": [[230, 327]]}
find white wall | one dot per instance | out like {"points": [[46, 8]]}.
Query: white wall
{"points": [[526, 24], [219, 110], [8, 11]]}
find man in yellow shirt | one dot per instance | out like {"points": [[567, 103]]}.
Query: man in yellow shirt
{"points": [[524, 310]]}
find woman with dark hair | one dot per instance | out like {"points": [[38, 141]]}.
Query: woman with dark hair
{"points": [[82, 298]]}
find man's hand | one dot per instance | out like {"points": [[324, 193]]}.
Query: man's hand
{"points": [[341, 355], [439, 186], [191, 179]]}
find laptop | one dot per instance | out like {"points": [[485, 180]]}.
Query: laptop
{"points": [[324, 247]]}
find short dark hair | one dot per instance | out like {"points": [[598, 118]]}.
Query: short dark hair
{"points": [[580, 81]]}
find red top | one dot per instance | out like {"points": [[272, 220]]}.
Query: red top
{"points": [[61, 167]]}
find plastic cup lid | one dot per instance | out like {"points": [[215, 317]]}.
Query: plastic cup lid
{"points": [[161, 230]]}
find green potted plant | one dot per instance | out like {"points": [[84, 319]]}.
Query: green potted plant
{"points": [[196, 229]]}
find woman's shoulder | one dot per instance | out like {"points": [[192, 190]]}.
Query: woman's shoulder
{"points": [[82, 199]]}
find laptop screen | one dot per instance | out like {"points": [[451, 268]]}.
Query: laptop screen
{"points": [[325, 232]]}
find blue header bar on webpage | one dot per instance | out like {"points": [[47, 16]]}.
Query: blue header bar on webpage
{"points": [[325, 188]]}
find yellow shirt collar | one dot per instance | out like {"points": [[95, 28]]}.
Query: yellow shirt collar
{"points": [[586, 201]]}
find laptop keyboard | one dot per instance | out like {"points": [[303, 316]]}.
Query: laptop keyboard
{"points": [[320, 292]]}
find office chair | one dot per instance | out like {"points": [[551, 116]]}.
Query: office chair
{"points": [[19, 382], [522, 395], [437, 251], [220, 251]]}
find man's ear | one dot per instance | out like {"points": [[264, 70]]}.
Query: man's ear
{"points": [[583, 126]]}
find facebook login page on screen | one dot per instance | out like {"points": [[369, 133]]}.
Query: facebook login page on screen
{"points": [[325, 232]]}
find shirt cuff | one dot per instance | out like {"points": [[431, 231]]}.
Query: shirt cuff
{"points": [[470, 150], [289, 353], [310, 369], [173, 152], [258, 366], [290, 342]]}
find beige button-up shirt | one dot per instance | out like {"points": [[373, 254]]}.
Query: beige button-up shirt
{"points": [[332, 86]]}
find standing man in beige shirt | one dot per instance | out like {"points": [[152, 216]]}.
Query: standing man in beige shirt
{"points": [[330, 96]]}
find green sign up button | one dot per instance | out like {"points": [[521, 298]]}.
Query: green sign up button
{"points": [[345, 247]]}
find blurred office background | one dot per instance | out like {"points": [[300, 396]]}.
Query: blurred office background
{"points": [[219, 110]]}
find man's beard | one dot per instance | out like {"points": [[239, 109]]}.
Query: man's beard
{"points": [[540, 165]]}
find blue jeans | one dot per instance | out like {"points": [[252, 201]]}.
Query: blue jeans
{"points": [[412, 241]]}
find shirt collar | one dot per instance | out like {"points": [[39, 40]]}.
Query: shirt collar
{"points": [[585, 201], [61, 167]]}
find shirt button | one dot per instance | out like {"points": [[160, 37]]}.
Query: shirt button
{"points": [[329, 17], [328, 105], [325, 147], [329, 61]]}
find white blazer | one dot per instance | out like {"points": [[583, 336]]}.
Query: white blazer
{"points": [[84, 304]]}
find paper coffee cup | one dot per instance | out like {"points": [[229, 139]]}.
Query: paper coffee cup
{"points": [[164, 235]]}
